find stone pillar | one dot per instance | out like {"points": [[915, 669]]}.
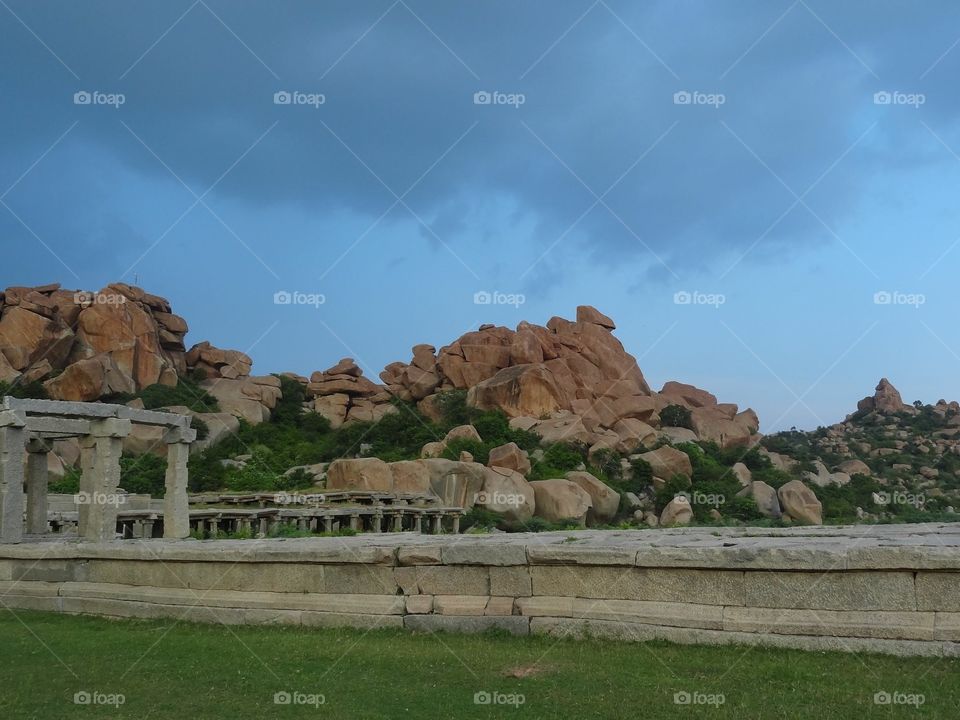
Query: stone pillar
{"points": [[13, 437], [37, 450], [100, 457], [176, 505]]}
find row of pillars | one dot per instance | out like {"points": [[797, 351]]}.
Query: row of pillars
{"points": [[100, 452]]}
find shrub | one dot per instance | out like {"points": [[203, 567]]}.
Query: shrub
{"points": [[33, 390], [186, 392], [143, 474], [676, 416]]}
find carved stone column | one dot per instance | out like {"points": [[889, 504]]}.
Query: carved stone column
{"points": [[100, 457], [37, 450], [13, 438], [176, 506]]}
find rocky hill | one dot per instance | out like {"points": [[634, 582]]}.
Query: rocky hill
{"points": [[562, 404], [887, 460]]}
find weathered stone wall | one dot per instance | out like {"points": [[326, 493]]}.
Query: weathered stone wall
{"points": [[885, 589]]}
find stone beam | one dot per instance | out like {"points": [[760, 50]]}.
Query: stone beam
{"points": [[60, 426]]}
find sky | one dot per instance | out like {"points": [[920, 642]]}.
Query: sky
{"points": [[761, 193]]}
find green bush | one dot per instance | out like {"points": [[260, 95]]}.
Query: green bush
{"points": [[186, 392], [32, 390], [676, 416], [143, 474]]}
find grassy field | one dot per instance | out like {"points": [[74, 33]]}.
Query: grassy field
{"points": [[164, 669]]}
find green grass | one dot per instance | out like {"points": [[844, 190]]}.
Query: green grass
{"points": [[166, 669]]}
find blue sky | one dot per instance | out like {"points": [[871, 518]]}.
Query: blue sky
{"points": [[781, 199]]}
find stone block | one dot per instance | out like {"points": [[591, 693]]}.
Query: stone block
{"points": [[420, 604], [453, 580], [708, 587], [510, 581], [655, 613], [854, 623], [938, 591], [419, 555], [831, 590], [489, 554], [515, 624]]}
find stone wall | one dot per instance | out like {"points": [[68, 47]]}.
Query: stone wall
{"points": [[891, 589]]}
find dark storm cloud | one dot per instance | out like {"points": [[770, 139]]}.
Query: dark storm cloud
{"points": [[598, 144]]}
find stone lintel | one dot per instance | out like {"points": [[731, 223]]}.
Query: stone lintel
{"points": [[153, 417], [12, 418], [57, 426], [110, 427]]}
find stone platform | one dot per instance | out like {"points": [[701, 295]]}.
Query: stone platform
{"points": [[889, 588]]}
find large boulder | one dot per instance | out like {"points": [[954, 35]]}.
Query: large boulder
{"points": [[561, 501], [249, 398], [410, 476], [854, 467], [766, 498], [886, 399], [456, 483], [605, 500], [519, 390], [668, 461], [721, 427], [510, 456], [90, 379], [370, 474], [799, 502], [505, 491], [677, 512]]}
